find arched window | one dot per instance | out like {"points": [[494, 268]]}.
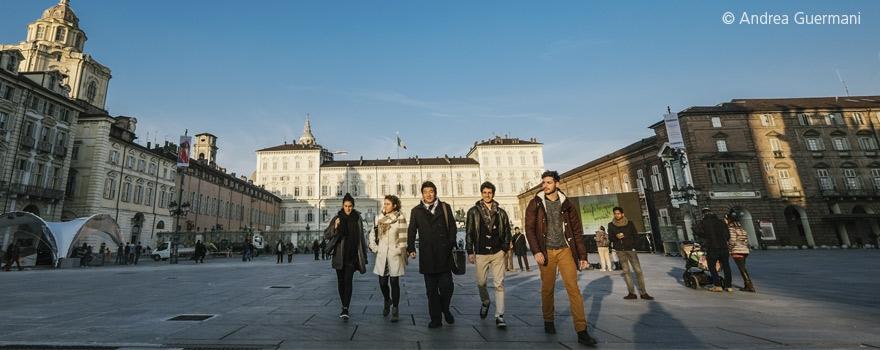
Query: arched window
{"points": [[60, 33], [92, 91], [160, 225]]}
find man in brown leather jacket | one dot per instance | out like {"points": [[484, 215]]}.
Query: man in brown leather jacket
{"points": [[553, 229]]}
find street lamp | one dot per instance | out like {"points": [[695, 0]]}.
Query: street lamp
{"points": [[682, 191], [177, 209]]}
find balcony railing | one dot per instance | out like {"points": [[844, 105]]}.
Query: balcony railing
{"points": [[792, 192], [872, 153], [34, 191], [778, 154]]}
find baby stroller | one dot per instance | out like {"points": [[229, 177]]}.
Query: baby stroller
{"points": [[695, 266]]}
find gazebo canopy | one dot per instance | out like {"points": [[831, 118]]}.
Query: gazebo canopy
{"points": [[62, 237]]}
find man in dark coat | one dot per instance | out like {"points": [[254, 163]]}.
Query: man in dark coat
{"points": [[13, 255], [624, 238], [138, 250], [316, 247], [715, 237], [434, 223]]}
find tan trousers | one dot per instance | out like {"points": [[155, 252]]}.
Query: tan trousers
{"points": [[605, 258], [562, 260], [497, 263]]}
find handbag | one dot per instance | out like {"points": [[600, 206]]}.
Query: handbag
{"points": [[330, 247], [459, 259]]}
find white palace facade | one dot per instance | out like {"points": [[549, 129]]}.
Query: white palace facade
{"points": [[312, 184]]}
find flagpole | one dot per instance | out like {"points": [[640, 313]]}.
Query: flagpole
{"points": [[398, 144]]}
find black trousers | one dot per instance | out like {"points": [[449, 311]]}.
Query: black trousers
{"points": [[316, 254], [724, 258], [439, 289], [279, 258], [523, 259], [394, 290], [344, 280]]}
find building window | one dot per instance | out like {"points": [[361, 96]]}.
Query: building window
{"points": [[868, 143], [110, 189], [60, 33], [805, 119], [815, 144], [721, 145], [744, 173], [857, 118], [310, 217], [716, 122], [148, 200], [296, 215], [625, 183], [785, 182], [834, 119], [92, 91], [840, 143], [774, 145], [142, 165], [324, 190], [296, 192], [664, 217], [40, 32], [875, 177], [324, 216], [3, 119], [851, 179], [656, 178], [768, 120], [131, 162], [825, 181], [126, 192]]}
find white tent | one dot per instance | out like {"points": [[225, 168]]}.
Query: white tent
{"points": [[61, 237]]}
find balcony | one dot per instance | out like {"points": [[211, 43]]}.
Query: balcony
{"points": [[34, 191], [844, 154], [830, 192], [28, 142], [44, 146], [872, 153], [791, 193], [817, 154], [60, 151]]}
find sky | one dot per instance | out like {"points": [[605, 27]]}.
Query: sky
{"points": [[583, 77]]}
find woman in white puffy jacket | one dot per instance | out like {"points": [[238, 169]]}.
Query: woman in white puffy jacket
{"points": [[388, 242]]}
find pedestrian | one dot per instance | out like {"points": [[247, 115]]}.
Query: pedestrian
{"points": [[623, 237], [107, 254], [521, 249], [715, 235], [433, 222], [508, 257], [289, 249], [602, 248], [138, 249], [279, 252], [350, 250], [252, 250], [101, 249], [553, 228], [81, 254], [315, 247], [488, 244], [120, 254], [128, 258], [388, 241], [13, 255], [323, 247], [739, 248], [245, 249], [200, 251]]}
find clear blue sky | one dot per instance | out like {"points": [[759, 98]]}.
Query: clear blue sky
{"points": [[583, 77]]}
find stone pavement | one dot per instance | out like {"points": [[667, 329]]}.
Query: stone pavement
{"points": [[806, 299]]}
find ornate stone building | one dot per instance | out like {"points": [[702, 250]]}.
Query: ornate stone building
{"points": [[312, 183], [55, 42]]}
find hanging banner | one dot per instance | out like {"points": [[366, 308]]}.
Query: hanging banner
{"points": [[673, 130], [183, 151]]}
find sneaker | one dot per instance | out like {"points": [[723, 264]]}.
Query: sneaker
{"points": [[748, 289], [448, 317], [585, 339], [386, 309], [716, 289], [395, 315], [484, 310], [647, 297], [630, 296], [499, 322], [344, 314], [549, 327], [729, 289]]}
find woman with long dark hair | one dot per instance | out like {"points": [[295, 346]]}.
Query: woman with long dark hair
{"points": [[349, 250], [388, 242]]}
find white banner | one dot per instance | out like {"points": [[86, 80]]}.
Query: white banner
{"points": [[673, 130]]}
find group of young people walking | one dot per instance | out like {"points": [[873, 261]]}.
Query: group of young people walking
{"points": [[553, 231]]}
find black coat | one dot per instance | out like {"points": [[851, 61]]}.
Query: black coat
{"points": [[714, 233], [337, 261], [436, 237], [474, 241], [519, 244], [630, 236]]}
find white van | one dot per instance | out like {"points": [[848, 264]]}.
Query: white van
{"points": [[163, 251]]}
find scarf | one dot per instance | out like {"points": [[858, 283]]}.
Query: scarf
{"points": [[386, 221], [349, 223], [620, 223], [488, 214]]}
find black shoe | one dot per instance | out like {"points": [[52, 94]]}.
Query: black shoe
{"points": [[647, 297], [395, 315], [434, 324], [448, 317], [549, 327], [585, 339], [344, 315], [499, 322], [630, 296], [484, 310], [386, 309]]}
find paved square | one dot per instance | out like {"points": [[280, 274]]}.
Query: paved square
{"points": [[806, 299]]}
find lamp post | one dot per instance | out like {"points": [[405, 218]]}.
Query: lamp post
{"points": [[177, 209], [684, 193]]}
